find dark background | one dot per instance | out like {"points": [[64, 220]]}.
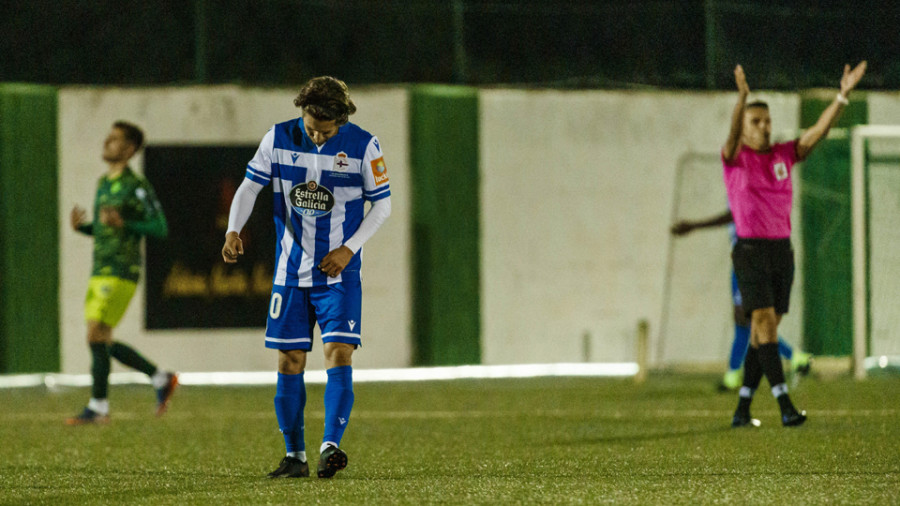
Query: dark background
{"points": [[692, 44], [195, 185]]}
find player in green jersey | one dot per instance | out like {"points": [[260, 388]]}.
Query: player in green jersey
{"points": [[125, 210]]}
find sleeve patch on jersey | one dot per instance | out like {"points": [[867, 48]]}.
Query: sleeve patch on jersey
{"points": [[379, 171]]}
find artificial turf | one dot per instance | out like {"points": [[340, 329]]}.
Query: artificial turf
{"points": [[500, 441]]}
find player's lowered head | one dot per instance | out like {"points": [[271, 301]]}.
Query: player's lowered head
{"points": [[326, 105], [757, 128], [122, 142]]}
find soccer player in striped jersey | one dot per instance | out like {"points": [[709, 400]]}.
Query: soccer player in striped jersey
{"points": [[125, 210], [731, 380], [322, 169], [757, 177]]}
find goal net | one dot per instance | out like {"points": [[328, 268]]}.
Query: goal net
{"points": [[875, 169], [696, 323]]}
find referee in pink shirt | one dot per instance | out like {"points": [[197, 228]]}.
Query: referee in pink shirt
{"points": [[758, 181]]}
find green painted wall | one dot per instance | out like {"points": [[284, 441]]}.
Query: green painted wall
{"points": [[29, 228], [445, 225], [827, 254]]}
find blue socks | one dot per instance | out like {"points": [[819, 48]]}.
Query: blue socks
{"points": [[338, 402], [784, 349], [739, 347], [290, 399]]}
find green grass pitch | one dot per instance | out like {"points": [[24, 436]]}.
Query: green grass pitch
{"points": [[510, 441]]}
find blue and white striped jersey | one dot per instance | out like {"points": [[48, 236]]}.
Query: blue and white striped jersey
{"points": [[319, 196]]}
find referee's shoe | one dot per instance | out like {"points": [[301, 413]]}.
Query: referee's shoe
{"points": [[332, 460], [793, 418]]}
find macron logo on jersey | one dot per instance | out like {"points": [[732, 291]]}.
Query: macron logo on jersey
{"points": [[379, 171]]}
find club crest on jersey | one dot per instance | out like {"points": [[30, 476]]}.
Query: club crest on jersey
{"points": [[311, 199], [379, 171], [341, 162], [781, 172]]}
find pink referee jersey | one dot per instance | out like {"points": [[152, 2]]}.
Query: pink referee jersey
{"points": [[760, 191]]}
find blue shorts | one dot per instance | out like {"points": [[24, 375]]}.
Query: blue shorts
{"points": [[294, 312], [735, 291]]}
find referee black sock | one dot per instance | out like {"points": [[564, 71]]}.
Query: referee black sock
{"points": [[99, 370], [752, 376], [753, 371], [130, 357], [771, 363]]}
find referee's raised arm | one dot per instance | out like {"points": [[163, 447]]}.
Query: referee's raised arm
{"points": [[829, 116], [733, 142]]}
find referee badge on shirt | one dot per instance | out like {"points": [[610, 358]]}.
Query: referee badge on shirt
{"points": [[781, 172], [311, 199], [341, 162]]}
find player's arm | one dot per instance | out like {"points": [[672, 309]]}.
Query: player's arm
{"points": [[258, 175], [241, 208], [77, 218], [817, 132], [684, 227], [733, 142], [153, 222], [377, 190], [335, 261]]}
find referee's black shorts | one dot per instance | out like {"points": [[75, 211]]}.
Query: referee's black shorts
{"points": [[765, 271]]}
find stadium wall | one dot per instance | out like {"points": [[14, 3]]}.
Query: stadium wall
{"points": [[29, 251], [884, 108], [223, 116], [577, 191], [445, 220], [827, 229]]}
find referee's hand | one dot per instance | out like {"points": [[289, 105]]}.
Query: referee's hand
{"points": [[232, 248]]}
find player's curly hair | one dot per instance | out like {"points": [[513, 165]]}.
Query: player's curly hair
{"points": [[326, 98]]}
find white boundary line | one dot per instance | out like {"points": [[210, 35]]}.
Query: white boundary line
{"points": [[618, 370]]}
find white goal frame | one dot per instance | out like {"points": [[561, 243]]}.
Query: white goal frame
{"points": [[858, 136]]}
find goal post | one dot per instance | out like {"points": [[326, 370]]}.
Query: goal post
{"points": [[875, 202]]}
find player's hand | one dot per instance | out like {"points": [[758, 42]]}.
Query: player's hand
{"points": [[682, 228], [77, 217], [852, 77], [110, 217], [741, 80], [233, 247], [335, 261]]}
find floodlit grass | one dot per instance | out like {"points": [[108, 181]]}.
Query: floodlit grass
{"points": [[512, 441]]}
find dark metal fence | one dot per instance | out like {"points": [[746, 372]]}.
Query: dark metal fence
{"points": [[692, 44]]}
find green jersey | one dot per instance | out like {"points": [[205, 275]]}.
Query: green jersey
{"points": [[117, 251]]}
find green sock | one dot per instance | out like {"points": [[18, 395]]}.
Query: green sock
{"points": [[130, 357], [99, 370]]}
